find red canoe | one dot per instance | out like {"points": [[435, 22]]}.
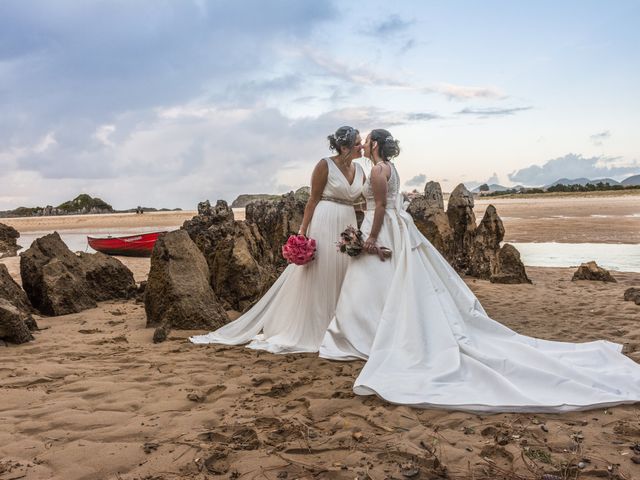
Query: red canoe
{"points": [[132, 245]]}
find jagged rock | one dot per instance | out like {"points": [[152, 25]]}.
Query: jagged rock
{"points": [[633, 295], [244, 257], [15, 325], [434, 197], [8, 241], [108, 278], [178, 293], [12, 292], [591, 271], [59, 282], [509, 268], [276, 220], [462, 221], [486, 244], [240, 261], [432, 222]]}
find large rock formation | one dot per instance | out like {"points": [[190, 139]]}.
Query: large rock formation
{"points": [[469, 249], [240, 262], [178, 293], [244, 257], [12, 292], [591, 271], [58, 282], [16, 321], [276, 221], [15, 325], [462, 221], [8, 241], [429, 217]]}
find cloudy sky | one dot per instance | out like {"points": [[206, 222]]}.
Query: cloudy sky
{"points": [[166, 103]]}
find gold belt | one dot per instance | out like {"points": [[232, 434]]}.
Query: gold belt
{"points": [[337, 200]]}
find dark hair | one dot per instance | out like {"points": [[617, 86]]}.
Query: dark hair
{"points": [[344, 137], [388, 147]]}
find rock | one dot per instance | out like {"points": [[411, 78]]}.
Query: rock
{"points": [[59, 282], [107, 277], [509, 268], [462, 221], [486, 244], [276, 221], [8, 241], [161, 333], [12, 292], [433, 195], [591, 271], [178, 293], [241, 263], [432, 222], [633, 295], [15, 326]]}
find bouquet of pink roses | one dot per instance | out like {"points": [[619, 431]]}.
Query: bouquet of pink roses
{"points": [[351, 242], [299, 249]]}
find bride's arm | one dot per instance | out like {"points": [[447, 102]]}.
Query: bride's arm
{"points": [[379, 187], [318, 182]]}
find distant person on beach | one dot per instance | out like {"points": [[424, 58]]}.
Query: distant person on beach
{"points": [[294, 314]]}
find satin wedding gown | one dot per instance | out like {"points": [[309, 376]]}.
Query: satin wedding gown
{"points": [[429, 343], [295, 312]]}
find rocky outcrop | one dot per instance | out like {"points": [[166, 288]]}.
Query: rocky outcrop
{"points": [[509, 267], [276, 221], [632, 295], [178, 293], [483, 255], [462, 221], [591, 271], [240, 262], [430, 218], [8, 241], [244, 257], [59, 282], [12, 292], [469, 249], [15, 325]]}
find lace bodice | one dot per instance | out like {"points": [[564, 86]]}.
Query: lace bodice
{"points": [[393, 189]]}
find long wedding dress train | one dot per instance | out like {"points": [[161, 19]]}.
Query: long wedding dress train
{"points": [[429, 343], [294, 313]]}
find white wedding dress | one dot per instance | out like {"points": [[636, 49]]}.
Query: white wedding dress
{"points": [[294, 313], [429, 343]]}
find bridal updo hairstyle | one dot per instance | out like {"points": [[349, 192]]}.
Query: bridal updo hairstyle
{"points": [[344, 137], [388, 147]]}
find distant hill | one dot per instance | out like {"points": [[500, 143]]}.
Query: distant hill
{"points": [[582, 181], [80, 205], [494, 187], [634, 180], [246, 198], [243, 200]]}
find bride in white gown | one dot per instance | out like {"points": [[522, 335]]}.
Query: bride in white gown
{"points": [[429, 343], [294, 314]]}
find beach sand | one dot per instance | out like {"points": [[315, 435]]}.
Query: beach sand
{"points": [[93, 398]]}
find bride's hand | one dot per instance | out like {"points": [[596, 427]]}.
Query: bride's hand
{"points": [[371, 247]]}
